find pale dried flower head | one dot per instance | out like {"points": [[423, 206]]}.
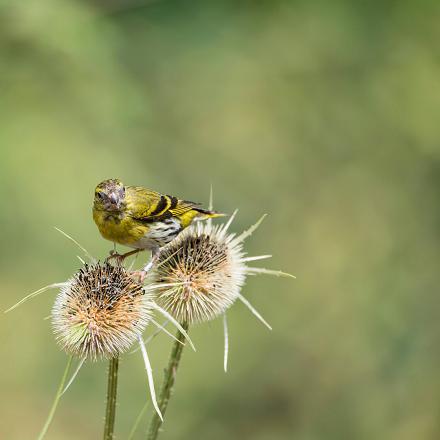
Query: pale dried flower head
{"points": [[207, 266], [100, 312]]}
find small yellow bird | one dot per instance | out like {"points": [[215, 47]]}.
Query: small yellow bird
{"points": [[141, 218]]}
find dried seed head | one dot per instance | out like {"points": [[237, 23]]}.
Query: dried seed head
{"points": [[100, 312], [206, 266], [199, 275]]}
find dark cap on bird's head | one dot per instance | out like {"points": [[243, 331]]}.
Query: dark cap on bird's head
{"points": [[109, 195]]}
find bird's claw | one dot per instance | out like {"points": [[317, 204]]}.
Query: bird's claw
{"points": [[139, 275], [121, 257], [114, 255]]}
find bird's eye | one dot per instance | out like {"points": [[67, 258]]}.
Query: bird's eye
{"points": [[100, 195]]}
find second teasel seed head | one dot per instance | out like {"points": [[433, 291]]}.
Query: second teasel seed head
{"points": [[207, 269]]}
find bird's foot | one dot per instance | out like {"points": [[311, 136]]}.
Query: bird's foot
{"points": [[138, 275], [141, 274], [121, 257], [115, 256]]}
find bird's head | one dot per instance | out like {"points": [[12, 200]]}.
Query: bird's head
{"points": [[110, 195]]}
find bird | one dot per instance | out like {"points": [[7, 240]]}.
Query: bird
{"points": [[141, 218]]}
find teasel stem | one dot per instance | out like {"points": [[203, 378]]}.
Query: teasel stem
{"points": [[168, 383], [112, 385]]}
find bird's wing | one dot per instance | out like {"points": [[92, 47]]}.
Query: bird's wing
{"points": [[147, 205], [184, 206]]}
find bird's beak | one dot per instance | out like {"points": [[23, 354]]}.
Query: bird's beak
{"points": [[114, 199]]}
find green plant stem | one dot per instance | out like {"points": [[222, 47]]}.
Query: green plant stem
{"points": [[168, 384], [112, 385], [56, 400]]}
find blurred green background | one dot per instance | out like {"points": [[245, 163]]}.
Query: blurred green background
{"points": [[324, 115]]}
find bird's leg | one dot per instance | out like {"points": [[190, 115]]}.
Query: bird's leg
{"points": [[113, 252], [122, 257], [154, 257], [148, 266]]}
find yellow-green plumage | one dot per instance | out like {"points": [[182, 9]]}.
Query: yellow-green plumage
{"points": [[141, 218]]}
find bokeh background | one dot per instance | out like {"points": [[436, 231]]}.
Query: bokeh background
{"points": [[324, 115]]}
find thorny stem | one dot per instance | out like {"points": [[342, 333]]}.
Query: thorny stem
{"points": [[112, 385], [168, 384]]}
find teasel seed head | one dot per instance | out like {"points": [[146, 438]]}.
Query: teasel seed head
{"points": [[100, 312], [206, 268]]}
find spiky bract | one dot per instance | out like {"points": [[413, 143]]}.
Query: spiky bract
{"points": [[205, 264], [100, 312]]}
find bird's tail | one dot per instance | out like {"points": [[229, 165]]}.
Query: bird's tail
{"points": [[206, 213]]}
